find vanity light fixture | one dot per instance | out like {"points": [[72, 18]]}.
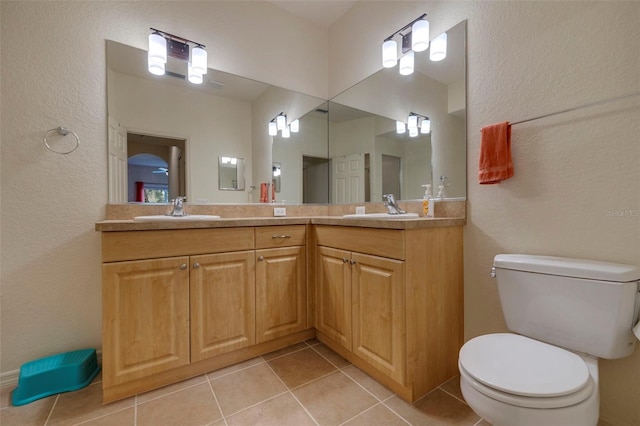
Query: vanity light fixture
{"points": [[281, 121], [415, 38], [273, 128], [163, 44], [400, 127], [295, 126]]}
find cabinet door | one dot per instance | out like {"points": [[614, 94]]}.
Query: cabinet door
{"points": [[379, 312], [281, 292], [333, 301], [222, 303], [145, 318]]}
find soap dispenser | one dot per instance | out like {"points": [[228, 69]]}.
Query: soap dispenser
{"points": [[427, 201]]}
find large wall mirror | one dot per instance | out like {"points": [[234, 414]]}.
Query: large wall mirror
{"points": [[228, 116], [370, 158], [225, 117]]}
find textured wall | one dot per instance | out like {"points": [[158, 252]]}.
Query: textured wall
{"points": [[54, 74], [576, 189]]}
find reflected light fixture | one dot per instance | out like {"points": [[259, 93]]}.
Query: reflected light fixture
{"points": [[279, 123], [163, 44], [438, 49], [416, 124], [420, 35]]}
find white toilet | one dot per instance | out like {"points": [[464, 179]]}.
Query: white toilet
{"points": [[582, 309]]}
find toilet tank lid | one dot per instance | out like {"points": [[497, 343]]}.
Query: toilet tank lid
{"points": [[564, 266]]}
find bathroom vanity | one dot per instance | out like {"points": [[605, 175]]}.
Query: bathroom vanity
{"points": [[183, 299]]}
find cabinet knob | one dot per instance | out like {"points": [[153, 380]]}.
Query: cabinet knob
{"points": [[260, 258], [353, 262], [345, 260], [196, 265], [183, 266]]}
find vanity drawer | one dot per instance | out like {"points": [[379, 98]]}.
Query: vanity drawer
{"points": [[378, 242], [133, 245], [280, 236]]}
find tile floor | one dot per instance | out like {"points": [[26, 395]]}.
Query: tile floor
{"points": [[304, 384]]}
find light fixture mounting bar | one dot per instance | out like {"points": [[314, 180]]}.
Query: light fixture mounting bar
{"points": [[175, 37], [418, 115], [409, 25]]}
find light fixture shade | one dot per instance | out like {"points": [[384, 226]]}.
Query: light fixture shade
{"points": [[425, 126], [413, 132], [273, 128], [157, 49], [406, 63], [156, 68], [285, 132], [199, 60], [420, 35], [400, 127], [412, 122], [295, 126], [438, 48], [389, 53], [192, 76], [281, 122]]}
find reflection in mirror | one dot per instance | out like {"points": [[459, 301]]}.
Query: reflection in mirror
{"points": [[365, 148], [227, 115], [155, 168], [369, 159], [231, 173], [277, 171], [303, 160]]}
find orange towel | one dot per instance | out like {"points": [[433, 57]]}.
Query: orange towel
{"points": [[263, 192], [495, 154]]}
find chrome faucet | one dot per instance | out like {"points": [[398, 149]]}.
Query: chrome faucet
{"points": [[391, 205], [178, 207]]}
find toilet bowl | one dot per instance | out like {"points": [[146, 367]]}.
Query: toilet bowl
{"points": [[510, 379]]}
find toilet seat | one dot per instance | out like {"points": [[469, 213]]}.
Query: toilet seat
{"points": [[521, 371]]}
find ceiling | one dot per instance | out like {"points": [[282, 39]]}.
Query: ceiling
{"points": [[321, 12]]}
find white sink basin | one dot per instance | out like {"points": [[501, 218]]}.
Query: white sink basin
{"points": [[190, 218], [381, 216]]}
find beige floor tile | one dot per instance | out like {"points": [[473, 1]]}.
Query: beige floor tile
{"points": [[192, 406], [334, 399], [35, 413], [312, 342], [364, 380], [332, 356], [82, 405], [284, 351], [235, 367], [282, 410], [377, 416], [148, 396], [301, 367], [244, 388], [124, 417], [483, 422], [453, 387], [437, 408]]}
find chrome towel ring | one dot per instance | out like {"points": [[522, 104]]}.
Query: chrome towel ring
{"points": [[64, 132]]}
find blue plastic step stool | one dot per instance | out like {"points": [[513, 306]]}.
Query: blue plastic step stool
{"points": [[63, 372]]}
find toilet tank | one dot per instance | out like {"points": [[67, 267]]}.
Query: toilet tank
{"points": [[582, 305]]}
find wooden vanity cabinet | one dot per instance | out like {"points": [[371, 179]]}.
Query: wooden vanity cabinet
{"points": [[177, 303], [391, 302]]}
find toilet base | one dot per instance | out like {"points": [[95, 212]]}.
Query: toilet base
{"points": [[501, 414]]}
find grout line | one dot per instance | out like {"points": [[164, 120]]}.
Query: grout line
{"points": [[453, 396], [394, 411], [51, 411], [215, 397], [293, 396], [478, 422], [234, 371], [135, 411], [256, 404], [169, 393], [102, 416], [283, 355], [360, 413]]}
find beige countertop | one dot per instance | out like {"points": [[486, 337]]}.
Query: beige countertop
{"points": [[421, 222]]}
